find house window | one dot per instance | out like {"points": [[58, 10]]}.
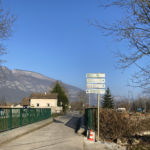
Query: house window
{"points": [[37, 104], [48, 104]]}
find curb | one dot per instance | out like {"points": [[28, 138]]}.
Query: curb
{"points": [[13, 134], [90, 145]]}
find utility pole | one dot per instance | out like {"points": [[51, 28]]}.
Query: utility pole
{"points": [[145, 102], [98, 101], [89, 99]]}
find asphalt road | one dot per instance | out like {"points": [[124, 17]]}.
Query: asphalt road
{"points": [[59, 135]]}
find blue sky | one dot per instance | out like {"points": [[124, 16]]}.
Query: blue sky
{"points": [[54, 38]]}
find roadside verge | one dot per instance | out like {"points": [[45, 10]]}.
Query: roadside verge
{"points": [[18, 132]]}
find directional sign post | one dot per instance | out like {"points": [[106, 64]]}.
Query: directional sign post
{"points": [[95, 81], [95, 75], [96, 91], [96, 85]]}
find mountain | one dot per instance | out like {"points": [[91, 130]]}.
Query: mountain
{"points": [[17, 84]]}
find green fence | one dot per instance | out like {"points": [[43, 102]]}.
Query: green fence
{"points": [[91, 118], [16, 117]]}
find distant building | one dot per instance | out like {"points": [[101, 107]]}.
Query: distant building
{"points": [[38, 100], [121, 109], [5, 106], [16, 106]]}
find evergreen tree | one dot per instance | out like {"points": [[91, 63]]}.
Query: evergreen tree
{"points": [[107, 100], [62, 97]]}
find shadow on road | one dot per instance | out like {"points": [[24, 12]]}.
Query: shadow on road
{"points": [[74, 123], [57, 121]]}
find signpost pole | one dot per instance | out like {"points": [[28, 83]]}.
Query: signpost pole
{"points": [[96, 85], [89, 99], [98, 99]]}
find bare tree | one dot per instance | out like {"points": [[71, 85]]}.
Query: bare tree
{"points": [[134, 27], [82, 96], [81, 101], [6, 22], [122, 104], [3, 101]]}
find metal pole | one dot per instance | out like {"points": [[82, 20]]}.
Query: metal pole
{"points": [[20, 116], [98, 99], [144, 102], [89, 99], [10, 119]]}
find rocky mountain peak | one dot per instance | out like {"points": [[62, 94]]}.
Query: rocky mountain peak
{"points": [[17, 84]]}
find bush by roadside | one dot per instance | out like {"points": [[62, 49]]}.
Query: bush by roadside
{"points": [[140, 147], [145, 124], [125, 129], [115, 125]]}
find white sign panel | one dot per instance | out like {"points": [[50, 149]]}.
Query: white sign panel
{"points": [[90, 80], [95, 75], [96, 91], [95, 86]]}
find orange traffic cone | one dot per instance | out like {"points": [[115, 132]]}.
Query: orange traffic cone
{"points": [[91, 136]]}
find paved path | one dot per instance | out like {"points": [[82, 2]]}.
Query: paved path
{"points": [[56, 136], [59, 135]]}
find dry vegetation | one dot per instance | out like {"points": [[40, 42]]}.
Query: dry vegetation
{"points": [[114, 125], [125, 127]]}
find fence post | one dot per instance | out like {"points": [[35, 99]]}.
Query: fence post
{"points": [[29, 116], [35, 113], [50, 113], [20, 116], [40, 114], [10, 119]]}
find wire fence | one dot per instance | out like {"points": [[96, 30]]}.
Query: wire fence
{"points": [[16, 117]]}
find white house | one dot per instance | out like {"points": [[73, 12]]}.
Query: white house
{"points": [[16, 106], [38, 100]]}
